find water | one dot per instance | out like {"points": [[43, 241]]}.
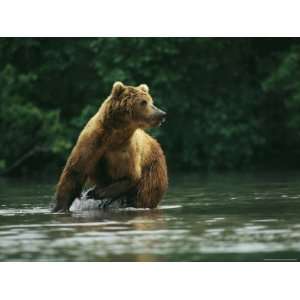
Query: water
{"points": [[230, 217]]}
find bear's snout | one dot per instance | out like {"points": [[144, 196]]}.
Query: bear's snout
{"points": [[159, 116]]}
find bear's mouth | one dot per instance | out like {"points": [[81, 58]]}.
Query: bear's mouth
{"points": [[158, 123], [159, 116], [163, 120]]}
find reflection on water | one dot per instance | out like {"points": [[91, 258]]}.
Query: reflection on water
{"points": [[214, 218]]}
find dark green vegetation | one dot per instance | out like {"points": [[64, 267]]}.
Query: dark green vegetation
{"points": [[232, 103]]}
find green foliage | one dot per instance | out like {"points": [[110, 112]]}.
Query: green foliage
{"points": [[231, 103], [24, 127], [284, 86]]}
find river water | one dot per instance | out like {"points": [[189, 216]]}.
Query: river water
{"points": [[224, 217]]}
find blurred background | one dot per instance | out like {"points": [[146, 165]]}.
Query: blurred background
{"points": [[232, 103]]}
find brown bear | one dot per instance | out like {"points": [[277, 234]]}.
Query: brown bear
{"points": [[114, 153]]}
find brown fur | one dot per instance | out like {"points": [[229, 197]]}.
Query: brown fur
{"points": [[116, 154]]}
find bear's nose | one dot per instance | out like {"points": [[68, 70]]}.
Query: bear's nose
{"points": [[159, 113], [162, 113]]}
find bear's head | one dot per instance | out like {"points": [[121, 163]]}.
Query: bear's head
{"points": [[133, 106]]}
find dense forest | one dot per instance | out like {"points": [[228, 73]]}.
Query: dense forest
{"points": [[232, 103]]}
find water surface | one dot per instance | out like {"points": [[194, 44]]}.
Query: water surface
{"points": [[229, 217]]}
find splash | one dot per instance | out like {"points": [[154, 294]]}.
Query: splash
{"points": [[84, 203]]}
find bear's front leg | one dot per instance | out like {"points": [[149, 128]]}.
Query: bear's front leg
{"points": [[68, 188], [113, 191]]}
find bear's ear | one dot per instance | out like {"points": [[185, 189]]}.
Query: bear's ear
{"points": [[117, 89], [144, 87]]}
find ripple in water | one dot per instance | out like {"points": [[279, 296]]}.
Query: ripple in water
{"points": [[215, 218]]}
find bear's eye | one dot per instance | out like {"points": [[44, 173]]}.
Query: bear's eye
{"points": [[143, 103]]}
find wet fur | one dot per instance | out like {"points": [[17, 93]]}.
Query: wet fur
{"points": [[116, 154]]}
